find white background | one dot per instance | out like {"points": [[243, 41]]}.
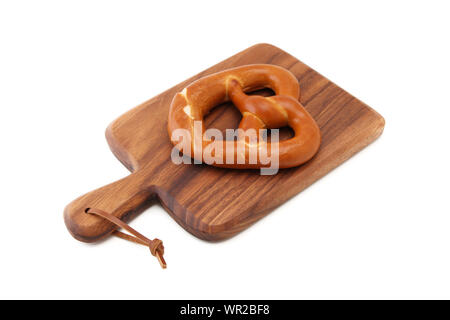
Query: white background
{"points": [[376, 227]]}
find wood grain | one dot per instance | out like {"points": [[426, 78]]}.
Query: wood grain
{"points": [[214, 203]]}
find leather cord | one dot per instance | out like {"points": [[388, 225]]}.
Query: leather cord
{"points": [[156, 246]]}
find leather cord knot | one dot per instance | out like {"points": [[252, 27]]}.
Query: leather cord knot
{"points": [[156, 246]]}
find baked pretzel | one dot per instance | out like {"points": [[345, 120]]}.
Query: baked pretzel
{"points": [[258, 112]]}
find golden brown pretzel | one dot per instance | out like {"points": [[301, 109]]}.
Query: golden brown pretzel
{"points": [[282, 109]]}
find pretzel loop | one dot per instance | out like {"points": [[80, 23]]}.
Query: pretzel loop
{"points": [[282, 109]]}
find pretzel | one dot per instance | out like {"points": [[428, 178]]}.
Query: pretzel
{"points": [[258, 112]]}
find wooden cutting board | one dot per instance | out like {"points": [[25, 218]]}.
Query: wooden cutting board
{"points": [[214, 203]]}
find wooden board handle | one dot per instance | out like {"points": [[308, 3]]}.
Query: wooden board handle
{"points": [[123, 199]]}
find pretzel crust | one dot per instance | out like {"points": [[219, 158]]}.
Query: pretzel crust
{"points": [[282, 109]]}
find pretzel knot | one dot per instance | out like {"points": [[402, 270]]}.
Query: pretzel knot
{"points": [[283, 109]]}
